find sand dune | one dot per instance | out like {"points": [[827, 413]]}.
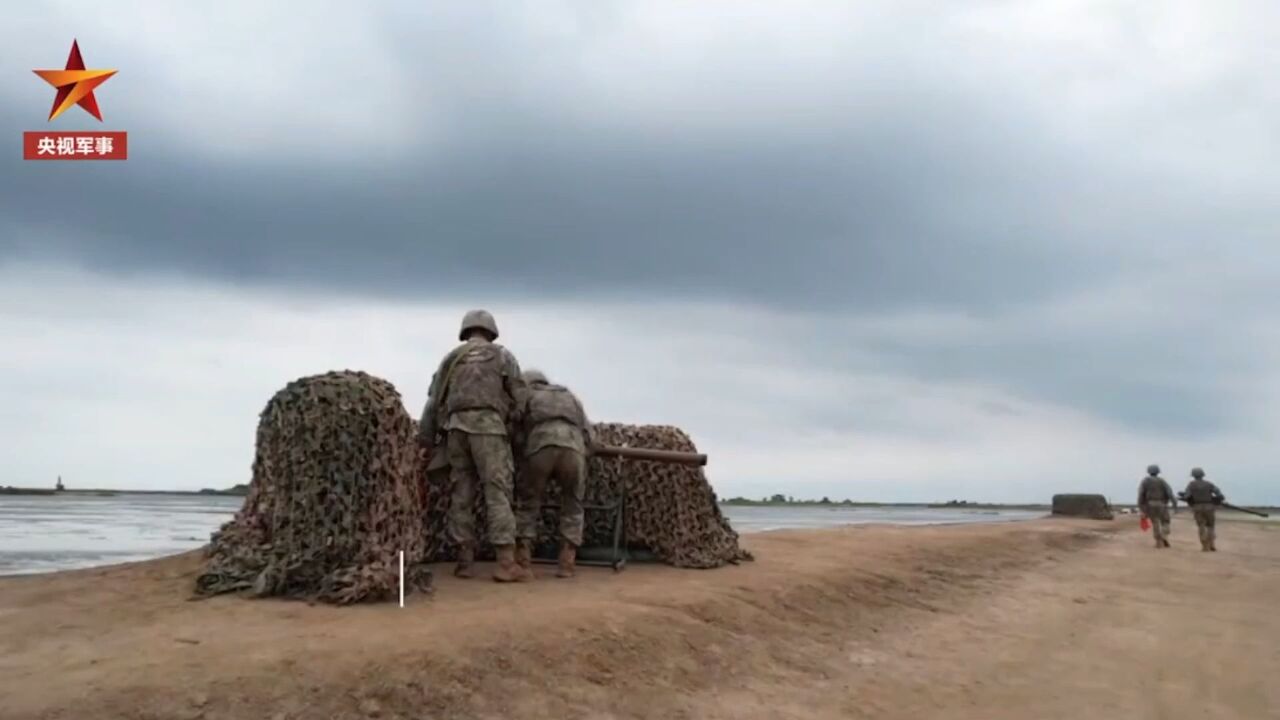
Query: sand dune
{"points": [[1047, 619]]}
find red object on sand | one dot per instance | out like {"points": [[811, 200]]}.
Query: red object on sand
{"points": [[1146, 524]]}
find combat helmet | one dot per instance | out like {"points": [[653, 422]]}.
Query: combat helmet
{"points": [[478, 319], [532, 377], [1153, 470], [1197, 473]]}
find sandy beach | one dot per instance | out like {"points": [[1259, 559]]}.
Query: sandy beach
{"points": [[1042, 619]]}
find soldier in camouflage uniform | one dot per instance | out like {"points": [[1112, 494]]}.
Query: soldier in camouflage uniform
{"points": [[1154, 498], [476, 394], [555, 439], [1203, 497]]}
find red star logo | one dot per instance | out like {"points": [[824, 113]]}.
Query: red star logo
{"points": [[75, 84]]}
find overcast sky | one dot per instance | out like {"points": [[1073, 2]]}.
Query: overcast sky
{"points": [[882, 250]]}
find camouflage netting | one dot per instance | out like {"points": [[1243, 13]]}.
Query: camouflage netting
{"points": [[671, 509], [1089, 506], [335, 497]]}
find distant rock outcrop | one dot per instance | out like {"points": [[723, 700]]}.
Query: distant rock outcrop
{"points": [[240, 489]]}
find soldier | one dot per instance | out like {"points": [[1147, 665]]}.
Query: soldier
{"points": [[1154, 497], [475, 395], [555, 439], [1203, 497]]}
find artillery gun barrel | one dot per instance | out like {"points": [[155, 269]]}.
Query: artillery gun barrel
{"points": [[633, 453], [1244, 510], [1183, 497]]}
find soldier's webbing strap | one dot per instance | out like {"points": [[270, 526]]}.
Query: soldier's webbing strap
{"points": [[444, 389]]}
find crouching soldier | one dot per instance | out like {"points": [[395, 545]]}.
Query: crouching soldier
{"points": [[555, 439], [1203, 497]]}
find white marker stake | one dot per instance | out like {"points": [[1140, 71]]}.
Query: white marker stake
{"points": [[401, 578]]}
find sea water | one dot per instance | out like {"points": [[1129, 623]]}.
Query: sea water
{"points": [[43, 533]]}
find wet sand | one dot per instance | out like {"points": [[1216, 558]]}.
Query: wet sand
{"points": [[1043, 619]]}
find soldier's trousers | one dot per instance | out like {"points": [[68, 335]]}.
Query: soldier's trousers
{"points": [[569, 468], [1158, 514], [1205, 522], [485, 461]]}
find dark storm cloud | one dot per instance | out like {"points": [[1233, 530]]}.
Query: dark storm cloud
{"points": [[848, 222], [1177, 392], [1126, 381], [913, 166], [868, 189]]}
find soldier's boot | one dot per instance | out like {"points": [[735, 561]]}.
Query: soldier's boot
{"points": [[466, 558], [524, 555], [565, 564], [508, 570]]}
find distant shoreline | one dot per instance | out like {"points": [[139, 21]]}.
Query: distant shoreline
{"points": [[243, 490], [743, 502], [100, 492], [739, 502], [733, 502]]}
